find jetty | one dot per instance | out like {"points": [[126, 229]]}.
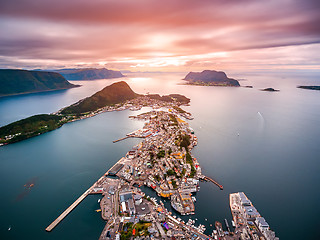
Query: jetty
{"points": [[91, 190], [67, 211], [205, 178], [120, 139]]}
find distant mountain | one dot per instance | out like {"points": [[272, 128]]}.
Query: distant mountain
{"points": [[115, 93], [16, 81], [210, 78], [89, 73]]}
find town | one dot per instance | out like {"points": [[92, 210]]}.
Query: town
{"points": [[162, 161]]}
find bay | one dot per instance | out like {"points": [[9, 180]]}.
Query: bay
{"points": [[265, 144]]}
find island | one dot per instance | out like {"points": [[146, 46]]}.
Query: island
{"points": [[270, 90], [17, 81], [116, 97], [89, 73], [210, 78], [310, 87]]}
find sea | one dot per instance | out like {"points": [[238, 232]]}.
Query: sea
{"points": [[266, 144]]}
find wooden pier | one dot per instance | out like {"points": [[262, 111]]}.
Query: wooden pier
{"points": [[68, 210], [213, 181]]}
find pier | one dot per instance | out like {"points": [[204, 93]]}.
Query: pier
{"points": [[120, 139], [80, 199], [68, 210], [213, 181]]}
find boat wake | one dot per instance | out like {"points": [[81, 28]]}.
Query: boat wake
{"points": [[261, 125]]}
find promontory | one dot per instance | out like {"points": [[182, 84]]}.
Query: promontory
{"points": [[210, 78], [16, 81]]}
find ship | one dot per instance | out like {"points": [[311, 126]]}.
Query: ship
{"points": [[233, 224]]}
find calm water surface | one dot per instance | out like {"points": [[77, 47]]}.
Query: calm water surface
{"points": [[274, 160]]}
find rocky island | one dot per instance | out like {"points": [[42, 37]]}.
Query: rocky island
{"points": [[118, 96], [310, 87], [210, 78], [89, 73], [270, 90], [16, 81]]}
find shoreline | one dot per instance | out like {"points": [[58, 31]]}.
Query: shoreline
{"points": [[50, 90]]}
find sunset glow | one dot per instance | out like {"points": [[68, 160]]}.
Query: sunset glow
{"points": [[160, 35]]}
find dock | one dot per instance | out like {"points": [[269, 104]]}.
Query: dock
{"points": [[120, 139], [67, 211], [79, 200], [213, 181]]}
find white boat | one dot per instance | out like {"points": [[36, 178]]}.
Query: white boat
{"points": [[233, 225], [99, 200], [9, 228]]}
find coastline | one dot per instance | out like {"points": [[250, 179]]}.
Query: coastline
{"points": [[50, 90]]}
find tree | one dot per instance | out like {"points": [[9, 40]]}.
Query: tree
{"points": [[170, 172]]}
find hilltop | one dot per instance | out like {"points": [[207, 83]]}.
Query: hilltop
{"points": [[115, 93], [89, 73], [210, 78], [16, 81], [118, 96]]}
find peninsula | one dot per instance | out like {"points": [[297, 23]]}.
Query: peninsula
{"points": [[118, 96], [162, 161], [89, 73], [210, 78], [16, 81]]}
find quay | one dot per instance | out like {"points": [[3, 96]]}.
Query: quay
{"points": [[120, 139], [79, 200], [68, 210], [211, 180]]}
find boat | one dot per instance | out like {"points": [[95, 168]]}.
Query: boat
{"points": [[98, 210], [227, 225], [194, 199], [99, 200], [233, 224], [9, 228]]}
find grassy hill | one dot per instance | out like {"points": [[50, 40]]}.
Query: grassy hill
{"points": [[29, 127], [115, 93], [15, 81]]}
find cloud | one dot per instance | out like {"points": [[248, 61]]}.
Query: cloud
{"points": [[89, 32]]}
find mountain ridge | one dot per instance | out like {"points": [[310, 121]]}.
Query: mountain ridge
{"points": [[74, 74]]}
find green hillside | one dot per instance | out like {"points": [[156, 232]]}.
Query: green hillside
{"points": [[15, 81], [115, 93]]}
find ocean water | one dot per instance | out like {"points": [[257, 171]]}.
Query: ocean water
{"points": [[263, 143]]}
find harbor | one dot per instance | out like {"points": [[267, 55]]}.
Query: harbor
{"points": [[175, 175]]}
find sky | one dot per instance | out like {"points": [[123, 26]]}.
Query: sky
{"points": [[160, 35]]}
